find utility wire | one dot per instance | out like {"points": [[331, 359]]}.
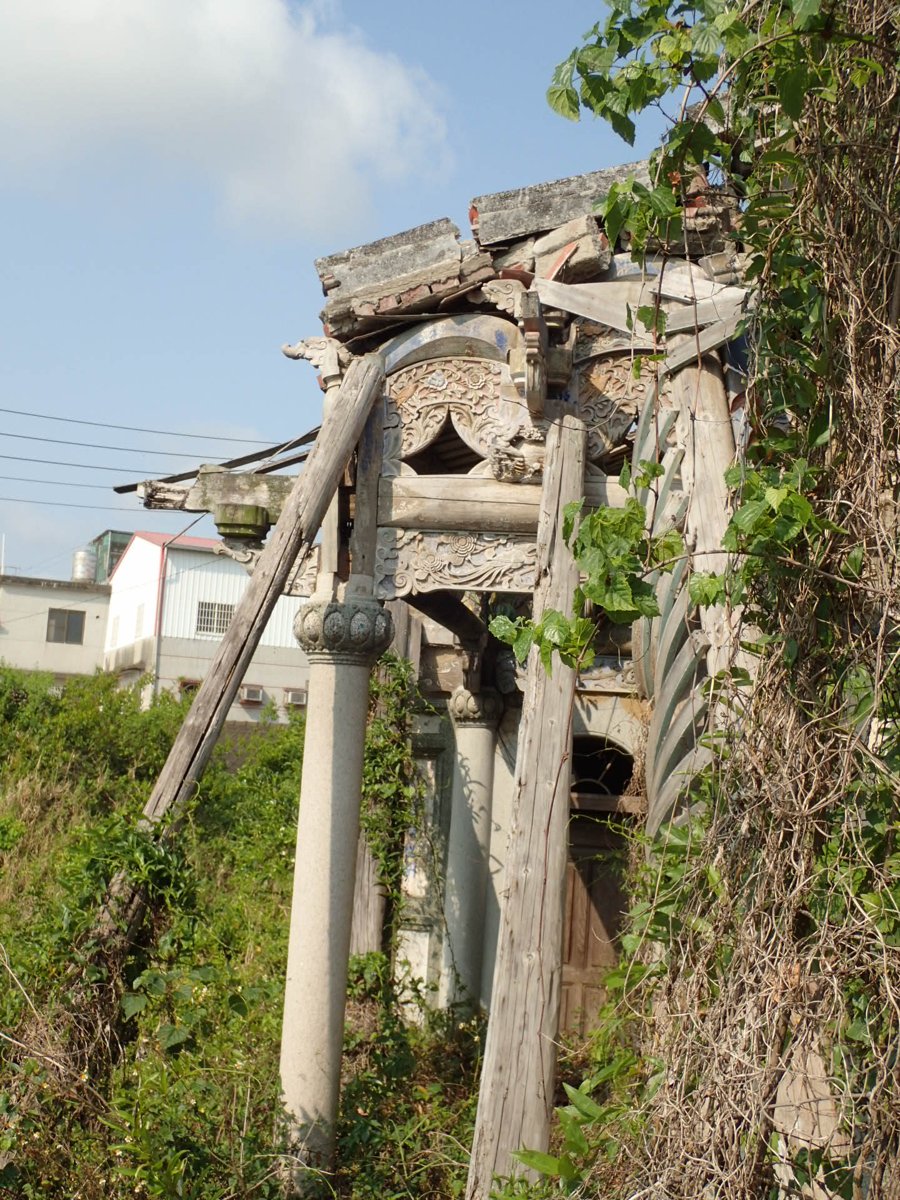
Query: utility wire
{"points": [[17, 412], [30, 437], [53, 462], [100, 487], [66, 504]]}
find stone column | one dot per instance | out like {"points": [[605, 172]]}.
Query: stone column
{"points": [[475, 716], [342, 641], [501, 823]]}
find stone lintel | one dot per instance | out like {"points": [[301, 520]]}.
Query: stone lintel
{"points": [[505, 216], [427, 248]]}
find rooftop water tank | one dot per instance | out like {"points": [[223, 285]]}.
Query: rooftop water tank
{"points": [[84, 566]]}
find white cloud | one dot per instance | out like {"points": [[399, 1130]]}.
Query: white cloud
{"points": [[292, 119]]}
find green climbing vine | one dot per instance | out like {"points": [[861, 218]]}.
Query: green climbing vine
{"points": [[761, 958], [392, 792], [615, 555]]}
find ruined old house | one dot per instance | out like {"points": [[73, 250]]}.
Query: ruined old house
{"points": [[473, 386]]}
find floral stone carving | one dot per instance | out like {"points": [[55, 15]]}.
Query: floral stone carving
{"points": [[609, 399], [478, 396], [469, 391], [412, 560], [355, 631], [475, 708]]}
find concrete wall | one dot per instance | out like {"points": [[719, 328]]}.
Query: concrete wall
{"points": [[276, 670], [193, 577], [25, 605], [133, 595]]}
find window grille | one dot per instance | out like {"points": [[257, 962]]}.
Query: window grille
{"points": [[213, 618], [65, 625]]}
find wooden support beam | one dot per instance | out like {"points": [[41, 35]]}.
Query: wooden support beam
{"points": [[682, 285], [695, 348], [605, 303], [589, 802], [477, 503], [448, 610], [297, 526], [704, 312], [365, 514], [515, 1101]]}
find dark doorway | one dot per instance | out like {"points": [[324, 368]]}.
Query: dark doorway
{"points": [[595, 896]]}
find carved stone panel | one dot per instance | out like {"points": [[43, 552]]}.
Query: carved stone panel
{"points": [[609, 397], [485, 414], [476, 394], [411, 560], [481, 400], [303, 576], [416, 408]]}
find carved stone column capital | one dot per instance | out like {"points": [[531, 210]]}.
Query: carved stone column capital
{"points": [[475, 708], [355, 631]]}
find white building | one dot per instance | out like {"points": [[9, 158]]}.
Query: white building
{"points": [[55, 625], [171, 600]]}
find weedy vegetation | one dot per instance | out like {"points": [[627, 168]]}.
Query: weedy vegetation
{"points": [[178, 1095]]}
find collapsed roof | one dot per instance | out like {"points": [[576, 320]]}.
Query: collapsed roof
{"points": [[549, 231]]}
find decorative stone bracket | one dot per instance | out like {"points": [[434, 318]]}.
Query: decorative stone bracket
{"points": [[538, 363]]}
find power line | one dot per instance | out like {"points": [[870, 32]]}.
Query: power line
{"points": [[53, 462], [31, 437], [100, 487], [65, 504], [17, 412]]}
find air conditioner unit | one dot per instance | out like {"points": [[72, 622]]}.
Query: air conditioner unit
{"points": [[295, 698], [251, 694]]}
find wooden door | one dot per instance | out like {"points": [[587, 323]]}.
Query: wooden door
{"points": [[595, 902]]}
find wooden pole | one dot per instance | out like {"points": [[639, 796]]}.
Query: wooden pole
{"points": [[297, 525], [515, 1100], [708, 437]]}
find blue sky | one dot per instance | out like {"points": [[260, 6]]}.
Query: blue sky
{"points": [[169, 170]]}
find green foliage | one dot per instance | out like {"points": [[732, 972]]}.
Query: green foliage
{"points": [[615, 555], [783, 900], [774, 532], [408, 1108], [191, 1107], [392, 793]]}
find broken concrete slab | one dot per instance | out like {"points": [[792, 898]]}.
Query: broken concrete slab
{"points": [[364, 268], [505, 216], [574, 252], [408, 272]]}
